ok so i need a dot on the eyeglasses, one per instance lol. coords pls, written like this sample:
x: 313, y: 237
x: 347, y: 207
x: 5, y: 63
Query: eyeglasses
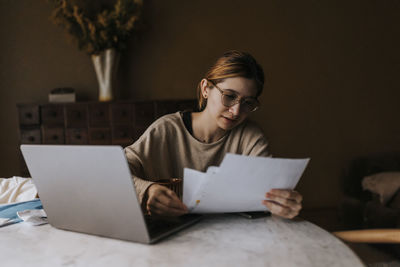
x: 229, y: 99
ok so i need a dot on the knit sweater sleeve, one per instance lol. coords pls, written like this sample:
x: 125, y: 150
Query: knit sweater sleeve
x: 136, y: 166
x: 141, y: 154
x: 254, y: 142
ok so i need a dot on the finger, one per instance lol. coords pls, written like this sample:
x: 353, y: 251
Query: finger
x: 287, y: 193
x: 275, y: 208
x: 279, y: 210
x: 284, y: 202
x: 168, y: 197
x: 171, y: 202
x: 177, y: 202
x: 165, y: 211
x: 156, y: 207
x: 164, y: 201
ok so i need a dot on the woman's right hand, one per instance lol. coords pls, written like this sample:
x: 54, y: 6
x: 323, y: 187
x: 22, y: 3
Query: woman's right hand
x: 164, y: 202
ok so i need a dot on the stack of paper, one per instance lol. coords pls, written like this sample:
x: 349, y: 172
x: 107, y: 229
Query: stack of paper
x: 239, y: 184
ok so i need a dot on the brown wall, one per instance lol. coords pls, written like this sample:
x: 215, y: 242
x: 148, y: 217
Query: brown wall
x: 333, y: 89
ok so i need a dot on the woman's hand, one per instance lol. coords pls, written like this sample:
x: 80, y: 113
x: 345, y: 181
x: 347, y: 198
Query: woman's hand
x: 283, y: 202
x: 164, y: 202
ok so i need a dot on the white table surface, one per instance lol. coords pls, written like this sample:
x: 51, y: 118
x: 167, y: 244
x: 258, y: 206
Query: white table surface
x: 217, y: 240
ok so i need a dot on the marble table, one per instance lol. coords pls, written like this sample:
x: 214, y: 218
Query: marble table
x: 217, y: 240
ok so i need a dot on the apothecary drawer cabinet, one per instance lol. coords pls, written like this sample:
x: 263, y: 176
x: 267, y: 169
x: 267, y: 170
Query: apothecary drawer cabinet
x: 91, y: 123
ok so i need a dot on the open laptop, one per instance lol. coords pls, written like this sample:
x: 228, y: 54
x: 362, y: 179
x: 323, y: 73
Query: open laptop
x: 89, y: 189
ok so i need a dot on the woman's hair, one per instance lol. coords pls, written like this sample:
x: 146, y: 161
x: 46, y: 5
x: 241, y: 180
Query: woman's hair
x: 232, y: 64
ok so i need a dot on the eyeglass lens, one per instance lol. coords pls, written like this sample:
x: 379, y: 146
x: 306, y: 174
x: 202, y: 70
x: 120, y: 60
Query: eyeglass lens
x: 231, y: 99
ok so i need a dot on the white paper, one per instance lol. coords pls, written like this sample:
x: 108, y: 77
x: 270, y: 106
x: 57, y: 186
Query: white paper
x: 240, y: 183
x: 191, y: 184
x: 33, y: 217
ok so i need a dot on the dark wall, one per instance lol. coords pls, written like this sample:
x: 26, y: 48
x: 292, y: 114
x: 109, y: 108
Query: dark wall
x: 332, y: 67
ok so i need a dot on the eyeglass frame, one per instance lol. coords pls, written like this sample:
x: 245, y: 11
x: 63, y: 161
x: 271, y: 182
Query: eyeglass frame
x: 237, y: 100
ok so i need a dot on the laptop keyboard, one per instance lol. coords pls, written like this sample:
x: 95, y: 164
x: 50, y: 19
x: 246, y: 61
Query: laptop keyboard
x: 157, y: 226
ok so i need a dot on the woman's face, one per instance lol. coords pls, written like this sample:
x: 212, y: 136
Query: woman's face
x: 227, y: 118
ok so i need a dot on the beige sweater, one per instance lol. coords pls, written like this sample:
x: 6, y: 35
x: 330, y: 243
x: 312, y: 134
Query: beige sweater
x: 167, y: 147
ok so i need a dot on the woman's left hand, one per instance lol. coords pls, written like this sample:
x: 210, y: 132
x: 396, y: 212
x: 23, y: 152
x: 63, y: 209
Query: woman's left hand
x: 283, y: 202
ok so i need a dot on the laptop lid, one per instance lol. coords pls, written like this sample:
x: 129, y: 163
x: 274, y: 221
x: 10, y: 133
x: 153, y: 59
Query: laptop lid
x: 87, y: 189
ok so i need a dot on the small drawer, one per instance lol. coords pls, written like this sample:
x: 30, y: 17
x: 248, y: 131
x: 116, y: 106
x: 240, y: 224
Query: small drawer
x: 52, y: 114
x: 76, y: 136
x: 30, y: 136
x: 121, y: 135
x: 53, y: 135
x: 76, y: 116
x: 121, y: 114
x: 166, y: 107
x: 99, y: 115
x: 99, y: 136
x: 28, y: 114
x: 143, y: 114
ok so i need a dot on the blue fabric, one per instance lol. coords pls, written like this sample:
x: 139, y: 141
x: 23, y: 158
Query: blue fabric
x: 10, y: 211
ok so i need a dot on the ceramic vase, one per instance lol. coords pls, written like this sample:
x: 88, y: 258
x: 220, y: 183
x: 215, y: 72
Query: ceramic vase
x: 105, y: 65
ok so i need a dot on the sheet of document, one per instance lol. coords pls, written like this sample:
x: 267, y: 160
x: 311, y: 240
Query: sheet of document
x: 239, y: 184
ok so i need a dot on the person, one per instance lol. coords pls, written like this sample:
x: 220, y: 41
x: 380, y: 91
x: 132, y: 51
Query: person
x: 227, y: 95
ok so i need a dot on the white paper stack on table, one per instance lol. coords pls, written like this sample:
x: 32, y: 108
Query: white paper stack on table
x: 240, y: 183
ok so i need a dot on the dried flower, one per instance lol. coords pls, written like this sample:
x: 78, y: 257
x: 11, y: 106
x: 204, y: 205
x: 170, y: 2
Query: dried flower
x: 110, y: 27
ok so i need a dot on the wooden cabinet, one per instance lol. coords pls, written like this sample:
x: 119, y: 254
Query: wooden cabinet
x: 91, y: 123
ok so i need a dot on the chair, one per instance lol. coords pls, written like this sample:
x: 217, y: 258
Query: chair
x: 362, y: 209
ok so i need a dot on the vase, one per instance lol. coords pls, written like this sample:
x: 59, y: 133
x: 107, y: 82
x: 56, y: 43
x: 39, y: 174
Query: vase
x: 105, y: 65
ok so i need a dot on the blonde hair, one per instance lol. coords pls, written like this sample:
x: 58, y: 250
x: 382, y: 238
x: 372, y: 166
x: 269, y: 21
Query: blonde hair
x: 232, y: 64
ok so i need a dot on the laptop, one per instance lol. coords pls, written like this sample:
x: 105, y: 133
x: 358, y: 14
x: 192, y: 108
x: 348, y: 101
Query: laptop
x: 89, y: 189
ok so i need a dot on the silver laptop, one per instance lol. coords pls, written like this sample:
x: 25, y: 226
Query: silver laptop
x: 89, y: 189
